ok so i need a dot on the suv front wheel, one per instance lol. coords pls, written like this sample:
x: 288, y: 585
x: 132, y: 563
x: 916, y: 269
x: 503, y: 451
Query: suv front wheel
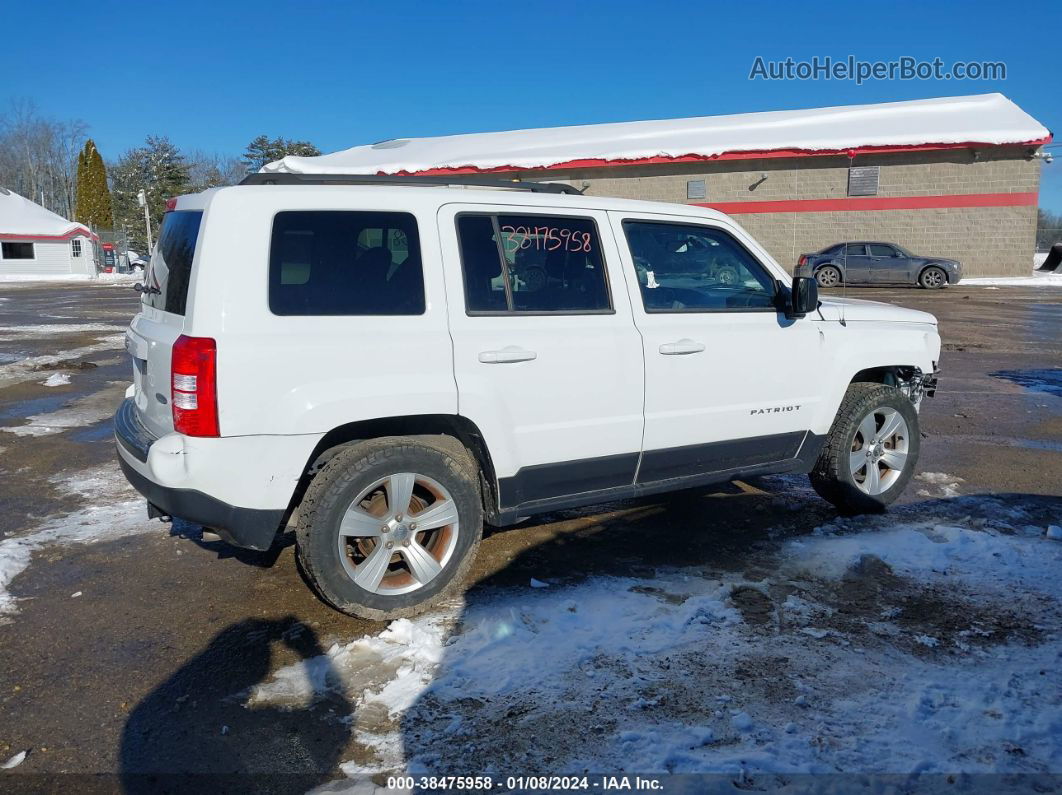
x: 871, y: 450
x: 390, y: 527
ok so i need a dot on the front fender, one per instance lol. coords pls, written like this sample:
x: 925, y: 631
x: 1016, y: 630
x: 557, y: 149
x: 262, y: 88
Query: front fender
x: 868, y: 345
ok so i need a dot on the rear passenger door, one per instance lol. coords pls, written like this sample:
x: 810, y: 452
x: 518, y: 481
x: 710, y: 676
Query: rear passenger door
x: 855, y: 263
x: 547, y: 360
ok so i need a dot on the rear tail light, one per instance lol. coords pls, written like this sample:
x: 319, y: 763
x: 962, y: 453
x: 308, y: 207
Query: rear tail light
x: 194, y: 386
x: 802, y: 261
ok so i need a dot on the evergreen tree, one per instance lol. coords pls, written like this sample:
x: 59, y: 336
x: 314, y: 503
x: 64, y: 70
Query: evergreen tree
x: 264, y: 150
x: 158, y: 169
x: 93, y: 197
x: 80, y: 191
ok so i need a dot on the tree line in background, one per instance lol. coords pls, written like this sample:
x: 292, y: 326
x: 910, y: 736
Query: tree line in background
x: 1048, y: 229
x: 57, y: 165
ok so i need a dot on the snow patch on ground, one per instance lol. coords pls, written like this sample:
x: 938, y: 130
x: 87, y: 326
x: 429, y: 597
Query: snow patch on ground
x: 52, y: 329
x: 1035, y: 280
x: 56, y: 379
x: 113, y: 510
x: 78, y: 413
x: 14, y: 278
x: 28, y: 368
x: 944, y: 485
x: 897, y: 644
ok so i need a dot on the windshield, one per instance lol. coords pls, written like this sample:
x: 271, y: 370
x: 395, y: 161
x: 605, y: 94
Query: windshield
x: 170, y: 270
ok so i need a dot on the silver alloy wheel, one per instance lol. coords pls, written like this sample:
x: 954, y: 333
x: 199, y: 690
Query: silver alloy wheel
x: 933, y: 277
x: 879, y: 450
x: 829, y: 277
x: 398, y: 534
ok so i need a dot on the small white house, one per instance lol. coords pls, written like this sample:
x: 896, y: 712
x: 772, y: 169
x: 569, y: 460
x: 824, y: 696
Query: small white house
x: 37, y: 242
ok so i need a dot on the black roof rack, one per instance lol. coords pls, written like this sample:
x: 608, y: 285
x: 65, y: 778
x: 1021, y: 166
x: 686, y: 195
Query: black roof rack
x: 387, y: 179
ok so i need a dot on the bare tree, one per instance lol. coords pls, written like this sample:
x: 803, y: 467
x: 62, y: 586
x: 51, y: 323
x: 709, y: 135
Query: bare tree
x: 211, y: 170
x: 38, y: 156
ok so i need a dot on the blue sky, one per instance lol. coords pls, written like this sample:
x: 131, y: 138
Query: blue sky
x: 213, y: 75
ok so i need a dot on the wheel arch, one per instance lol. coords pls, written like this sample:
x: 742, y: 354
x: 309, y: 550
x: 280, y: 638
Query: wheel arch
x: 890, y: 375
x: 926, y: 266
x: 455, y: 426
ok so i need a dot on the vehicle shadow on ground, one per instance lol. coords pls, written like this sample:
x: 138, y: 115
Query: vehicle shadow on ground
x: 194, y: 732
x: 706, y: 534
x: 263, y: 559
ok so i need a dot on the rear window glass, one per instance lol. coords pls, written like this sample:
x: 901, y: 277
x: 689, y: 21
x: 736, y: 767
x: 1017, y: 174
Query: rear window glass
x: 171, y: 262
x: 325, y: 262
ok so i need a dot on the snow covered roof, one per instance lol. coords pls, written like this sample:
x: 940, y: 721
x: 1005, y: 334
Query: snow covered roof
x: 19, y: 217
x: 948, y: 121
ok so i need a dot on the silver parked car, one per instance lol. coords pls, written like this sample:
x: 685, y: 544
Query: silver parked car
x: 871, y: 263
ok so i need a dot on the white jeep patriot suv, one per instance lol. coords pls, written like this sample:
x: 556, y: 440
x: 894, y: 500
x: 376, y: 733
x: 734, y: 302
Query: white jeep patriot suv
x: 384, y: 364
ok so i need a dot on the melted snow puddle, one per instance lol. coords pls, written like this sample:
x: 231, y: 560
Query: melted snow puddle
x: 114, y: 510
x: 664, y: 675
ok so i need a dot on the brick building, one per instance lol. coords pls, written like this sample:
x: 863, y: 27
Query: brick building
x: 956, y: 177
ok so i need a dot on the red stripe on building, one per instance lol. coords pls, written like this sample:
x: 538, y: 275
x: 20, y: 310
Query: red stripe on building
x: 79, y: 232
x: 749, y: 155
x: 860, y: 204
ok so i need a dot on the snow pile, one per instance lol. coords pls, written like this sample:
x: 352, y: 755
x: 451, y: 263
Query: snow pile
x: 56, y: 379
x: 898, y: 644
x: 984, y: 118
x: 113, y: 510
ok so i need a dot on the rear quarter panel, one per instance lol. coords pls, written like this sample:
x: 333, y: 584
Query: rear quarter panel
x: 310, y: 374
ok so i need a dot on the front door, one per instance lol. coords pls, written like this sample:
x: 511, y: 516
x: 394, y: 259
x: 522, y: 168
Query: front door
x: 730, y: 383
x: 887, y: 266
x: 547, y: 359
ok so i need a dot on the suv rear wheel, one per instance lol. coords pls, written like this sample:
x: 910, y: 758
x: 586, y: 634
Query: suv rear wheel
x: 871, y: 450
x: 390, y: 527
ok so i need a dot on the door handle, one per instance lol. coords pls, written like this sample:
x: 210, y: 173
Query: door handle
x: 507, y: 356
x: 681, y: 348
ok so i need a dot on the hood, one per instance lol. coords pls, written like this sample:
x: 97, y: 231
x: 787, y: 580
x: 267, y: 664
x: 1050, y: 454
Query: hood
x: 854, y: 309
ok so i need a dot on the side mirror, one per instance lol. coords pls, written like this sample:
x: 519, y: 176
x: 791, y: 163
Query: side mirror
x: 804, y: 297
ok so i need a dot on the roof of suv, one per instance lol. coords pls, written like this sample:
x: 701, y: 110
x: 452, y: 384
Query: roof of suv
x: 455, y: 193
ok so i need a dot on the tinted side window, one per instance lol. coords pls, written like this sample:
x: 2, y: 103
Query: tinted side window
x: 532, y: 263
x: 171, y: 263
x: 324, y: 262
x: 687, y: 268
x: 878, y: 250
x: 855, y: 250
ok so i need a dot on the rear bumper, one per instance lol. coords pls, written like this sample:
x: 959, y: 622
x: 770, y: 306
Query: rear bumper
x: 242, y: 527
x: 239, y: 486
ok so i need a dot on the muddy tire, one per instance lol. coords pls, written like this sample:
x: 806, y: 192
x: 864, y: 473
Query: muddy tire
x: 933, y: 278
x: 870, y: 452
x: 828, y: 276
x: 390, y: 527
